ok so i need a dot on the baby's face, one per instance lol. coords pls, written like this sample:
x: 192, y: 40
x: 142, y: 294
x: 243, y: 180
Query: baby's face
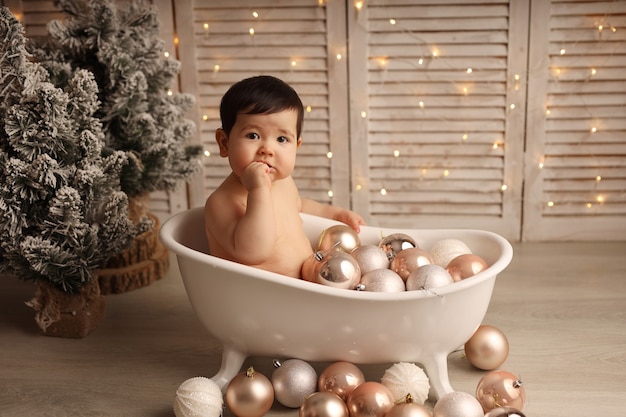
x: 268, y: 138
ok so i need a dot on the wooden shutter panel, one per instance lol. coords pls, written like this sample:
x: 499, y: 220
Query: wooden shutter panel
x: 576, y: 155
x: 302, y: 43
x: 437, y: 91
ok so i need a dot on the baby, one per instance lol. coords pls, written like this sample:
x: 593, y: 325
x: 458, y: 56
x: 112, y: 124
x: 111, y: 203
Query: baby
x: 253, y: 217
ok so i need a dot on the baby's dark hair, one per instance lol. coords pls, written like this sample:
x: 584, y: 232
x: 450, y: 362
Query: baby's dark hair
x: 262, y: 94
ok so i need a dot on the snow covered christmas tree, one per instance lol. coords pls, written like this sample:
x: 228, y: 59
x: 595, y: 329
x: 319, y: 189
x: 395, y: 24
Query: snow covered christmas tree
x: 139, y: 112
x: 62, y: 211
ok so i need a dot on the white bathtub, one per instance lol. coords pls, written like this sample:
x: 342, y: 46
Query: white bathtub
x: 255, y: 312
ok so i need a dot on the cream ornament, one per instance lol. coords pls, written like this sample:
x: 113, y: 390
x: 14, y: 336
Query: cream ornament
x: 404, y: 379
x: 427, y: 277
x: 445, y: 250
x: 488, y: 348
x: 198, y: 397
x: 458, y: 404
x: 381, y: 280
x: 370, y: 257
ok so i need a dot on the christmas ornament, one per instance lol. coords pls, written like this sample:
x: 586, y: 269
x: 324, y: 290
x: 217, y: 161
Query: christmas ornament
x: 370, y: 257
x: 488, y: 348
x: 395, y: 243
x: 505, y: 412
x: 340, y: 378
x: 249, y: 394
x: 293, y: 380
x: 443, y: 251
x: 404, y: 379
x: 198, y: 396
x: 323, y: 404
x: 408, y: 408
x: 458, y: 404
x: 370, y: 399
x: 408, y: 260
x: 500, y: 389
x: 381, y: 280
x: 465, y: 266
x: 428, y: 276
x: 338, y: 237
x: 333, y: 268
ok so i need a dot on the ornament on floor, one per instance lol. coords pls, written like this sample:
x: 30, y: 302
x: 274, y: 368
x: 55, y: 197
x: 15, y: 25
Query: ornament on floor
x: 500, y: 389
x: 505, y: 412
x: 408, y: 408
x: 332, y: 268
x: 370, y: 399
x: 408, y: 260
x: 323, y: 404
x: 404, y: 379
x: 198, y: 396
x: 340, y: 378
x: 458, y: 404
x: 488, y: 348
x: 370, y: 257
x: 338, y: 237
x: 445, y: 250
x: 427, y: 277
x: 249, y: 394
x: 395, y: 243
x: 465, y: 266
x: 293, y: 380
x: 381, y: 280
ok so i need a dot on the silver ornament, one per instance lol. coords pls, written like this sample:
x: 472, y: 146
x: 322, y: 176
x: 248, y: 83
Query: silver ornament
x: 458, y: 404
x: 395, y: 243
x: 293, y: 380
x: 428, y: 276
x: 382, y: 280
x: 370, y: 257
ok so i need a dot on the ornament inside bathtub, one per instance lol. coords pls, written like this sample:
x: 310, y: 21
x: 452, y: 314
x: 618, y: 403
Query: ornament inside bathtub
x: 253, y: 312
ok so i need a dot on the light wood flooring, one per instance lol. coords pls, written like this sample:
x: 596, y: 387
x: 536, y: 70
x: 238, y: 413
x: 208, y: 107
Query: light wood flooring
x: 561, y: 305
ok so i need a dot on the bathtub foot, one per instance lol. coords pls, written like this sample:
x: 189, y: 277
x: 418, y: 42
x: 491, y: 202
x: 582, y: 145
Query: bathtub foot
x: 437, y: 370
x: 232, y: 360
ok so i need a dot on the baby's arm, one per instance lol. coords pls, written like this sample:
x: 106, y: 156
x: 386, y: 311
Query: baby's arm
x: 349, y: 217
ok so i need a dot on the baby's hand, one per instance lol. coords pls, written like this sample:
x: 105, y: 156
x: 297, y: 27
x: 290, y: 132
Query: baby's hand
x: 256, y: 175
x: 351, y: 218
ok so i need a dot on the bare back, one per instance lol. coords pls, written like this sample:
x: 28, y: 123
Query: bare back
x: 226, y: 207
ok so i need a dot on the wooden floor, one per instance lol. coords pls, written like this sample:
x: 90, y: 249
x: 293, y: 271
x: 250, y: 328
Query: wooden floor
x: 561, y: 305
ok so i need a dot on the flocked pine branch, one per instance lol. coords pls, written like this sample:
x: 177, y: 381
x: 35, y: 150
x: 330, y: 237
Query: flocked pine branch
x: 140, y: 114
x: 62, y: 211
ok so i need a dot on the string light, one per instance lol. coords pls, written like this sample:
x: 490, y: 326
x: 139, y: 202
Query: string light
x: 396, y: 153
x: 207, y: 153
x: 363, y: 114
x: 464, y: 137
x: 166, y: 54
x: 562, y: 51
x: 329, y: 155
x: 469, y: 70
x: 383, y: 191
x: 358, y: 5
x: 598, y: 178
x: 330, y: 193
x: 504, y: 187
x: 255, y: 15
x: 170, y: 92
x: 594, y: 129
x: 550, y: 203
x: 206, y: 27
x: 205, y: 117
x: 251, y: 31
x: 308, y: 109
x: 339, y: 57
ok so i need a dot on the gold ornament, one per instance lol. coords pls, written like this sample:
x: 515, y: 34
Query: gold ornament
x: 338, y: 237
x: 340, y: 378
x: 500, y: 389
x: 323, y: 404
x: 465, y: 266
x: 488, y: 348
x: 249, y: 394
x: 408, y: 260
x: 408, y: 408
x: 370, y: 399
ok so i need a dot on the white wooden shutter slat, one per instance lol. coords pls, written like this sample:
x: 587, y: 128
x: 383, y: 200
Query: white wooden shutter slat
x: 579, y: 190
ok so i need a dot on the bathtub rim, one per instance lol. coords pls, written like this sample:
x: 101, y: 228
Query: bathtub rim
x: 171, y: 240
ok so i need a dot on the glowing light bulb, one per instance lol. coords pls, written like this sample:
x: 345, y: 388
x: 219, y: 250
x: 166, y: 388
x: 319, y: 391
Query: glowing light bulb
x: 169, y: 92
x: 294, y: 63
x: 420, y: 61
x: 330, y: 193
x: 562, y: 51
x: 358, y: 5
x: 251, y: 31
x: 206, y: 26
x: 446, y: 173
x: 358, y: 187
x: 512, y: 106
x: 205, y: 117
x: 598, y: 178
x: 166, y: 54
x: 339, y: 57
x: 329, y: 155
x: 308, y: 109
x: 600, y: 28
x: 600, y: 199
x: 516, y: 76
x: 255, y: 15
x: 435, y: 53
x: 383, y: 191
x: 216, y: 68
x: 540, y: 165
x: 548, y: 112
x: 589, y: 205
x: 593, y: 71
x: 207, y: 153
x: 392, y: 21
x: 594, y: 129
x: 464, y: 137
x: 469, y: 70
x: 550, y: 203
x: 504, y: 187
x: 421, y: 104
x: 396, y: 153
x: 363, y: 114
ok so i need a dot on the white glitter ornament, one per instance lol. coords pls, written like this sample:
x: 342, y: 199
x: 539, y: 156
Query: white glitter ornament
x: 406, y: 378
x: 427, y: 277
x: 198, y: 396
x: 458, y: 404
x: 443, y: 251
